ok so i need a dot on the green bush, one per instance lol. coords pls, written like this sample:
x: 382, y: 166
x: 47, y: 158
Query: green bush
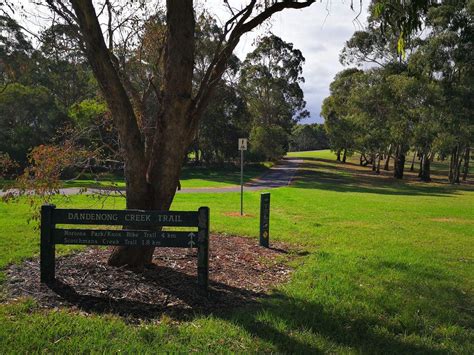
x: 268, y: 143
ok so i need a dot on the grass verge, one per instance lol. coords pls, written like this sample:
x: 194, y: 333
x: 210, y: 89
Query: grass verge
x: 389, y: 270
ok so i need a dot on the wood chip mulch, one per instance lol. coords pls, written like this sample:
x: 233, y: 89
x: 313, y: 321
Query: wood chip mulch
x: 240, y: 273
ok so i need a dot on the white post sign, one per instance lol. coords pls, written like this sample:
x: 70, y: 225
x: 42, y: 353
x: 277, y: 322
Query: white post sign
x: 242, y: 147
x: 242, y: 143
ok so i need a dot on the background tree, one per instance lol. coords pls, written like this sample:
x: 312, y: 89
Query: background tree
x: 368, y: 112
x: 29, y: 116
x: 308, y: 137
x: 418, y: 99
x: 270, y: 82
x: 335, y: 111
x: 445, y: 57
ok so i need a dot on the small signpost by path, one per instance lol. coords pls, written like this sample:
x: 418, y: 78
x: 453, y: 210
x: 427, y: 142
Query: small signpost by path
x: 146, y: 235
x: 265, y: 220
x: 242, y: 147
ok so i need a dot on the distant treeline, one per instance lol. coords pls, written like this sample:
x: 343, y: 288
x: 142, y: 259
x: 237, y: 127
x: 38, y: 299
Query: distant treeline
x: 309, y: 137
x: 49, y: 97
x: 419, y: 99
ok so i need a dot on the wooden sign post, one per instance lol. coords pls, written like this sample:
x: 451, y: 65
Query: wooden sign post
x: 147, y: 235
x: 265, y: 220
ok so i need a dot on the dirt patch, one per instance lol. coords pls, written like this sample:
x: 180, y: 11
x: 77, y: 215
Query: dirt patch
x: 452, y: 220
x: 237, y: 214
x: 240, y: 272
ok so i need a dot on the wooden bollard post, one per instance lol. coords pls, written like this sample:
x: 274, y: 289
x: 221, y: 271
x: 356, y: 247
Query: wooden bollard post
x: 265, y: 220
x: 47, y: 247
x: 203, y: 249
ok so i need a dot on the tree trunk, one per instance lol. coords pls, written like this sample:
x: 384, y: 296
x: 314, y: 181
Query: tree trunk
x: 399, y: 162
x: 457, y: 177
x: 450, y: 174
x: 338, y: 155
x: 412, y: 167
x: 387, y: 162
x: 363, y: 160
x: 453, y: 164
x: 138, y: 190
x: 378, y: 163
x: 172, y: 133
x: 374, y: 162
x: 344, y: 155
x: 466, y: 163
x: 425, y: 167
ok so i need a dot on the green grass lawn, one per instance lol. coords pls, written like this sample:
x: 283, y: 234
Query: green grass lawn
x: 191, y: 177
x: 389, y: 269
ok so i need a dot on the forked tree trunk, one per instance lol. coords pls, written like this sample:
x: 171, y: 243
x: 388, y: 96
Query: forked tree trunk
x: 344, y: 155
x: 172, y: 134
x: 154, y: 154
x: 152, y: 169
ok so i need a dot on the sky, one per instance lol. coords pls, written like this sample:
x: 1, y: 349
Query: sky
x: 319, y: 31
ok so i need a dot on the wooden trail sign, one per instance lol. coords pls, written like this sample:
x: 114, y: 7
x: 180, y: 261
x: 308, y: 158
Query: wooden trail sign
x: 265, y: 220
x: 144, y: 233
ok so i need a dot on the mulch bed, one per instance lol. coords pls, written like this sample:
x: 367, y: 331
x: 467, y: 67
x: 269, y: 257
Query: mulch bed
x: 240, y: 272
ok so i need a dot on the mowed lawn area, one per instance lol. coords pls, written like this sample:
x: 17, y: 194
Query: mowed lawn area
x: 225, y: 175
x: 388, y: 268
x: 191, y: 177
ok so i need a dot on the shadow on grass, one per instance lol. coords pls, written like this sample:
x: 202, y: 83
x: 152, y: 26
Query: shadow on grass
x: 373, y: 330
x: 372, y: 324
x: 340, y: 179
x: 227, y: 174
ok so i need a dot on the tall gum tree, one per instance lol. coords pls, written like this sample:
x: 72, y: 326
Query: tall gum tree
x: 154, y: 154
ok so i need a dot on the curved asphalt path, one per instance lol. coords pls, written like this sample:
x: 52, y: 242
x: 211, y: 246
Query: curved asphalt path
x: 279, y: 175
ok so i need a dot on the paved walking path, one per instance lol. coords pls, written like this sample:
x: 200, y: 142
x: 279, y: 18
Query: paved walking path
x: 279, y: 175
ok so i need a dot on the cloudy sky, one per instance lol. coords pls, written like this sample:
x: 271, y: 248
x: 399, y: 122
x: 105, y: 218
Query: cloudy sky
x: 319, y: 31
